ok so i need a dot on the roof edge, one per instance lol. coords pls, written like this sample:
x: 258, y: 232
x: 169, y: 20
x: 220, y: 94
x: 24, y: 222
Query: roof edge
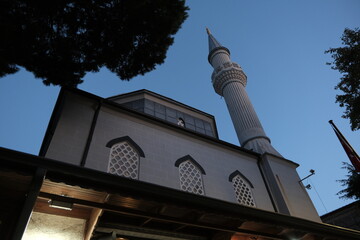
x: 146, y: 91
x: 89, y: 176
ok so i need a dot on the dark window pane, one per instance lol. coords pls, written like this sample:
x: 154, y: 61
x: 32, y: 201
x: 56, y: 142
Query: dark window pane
x: 170, y: 112
x: 179, y: 115
x: 159, y: 108
x: 149, y: 104
x: 171, y: 119
x: 138, y: 104
x: 190, y: 126
x: 199, y: 123
x: 209, y: 133
x: 200, y: 130
x: 207, y: 126
x: 189, y: 119
x: 159, y: 115
x: 149, y: 111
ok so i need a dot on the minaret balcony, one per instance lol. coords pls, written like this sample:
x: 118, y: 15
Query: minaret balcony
x: 226, y: 73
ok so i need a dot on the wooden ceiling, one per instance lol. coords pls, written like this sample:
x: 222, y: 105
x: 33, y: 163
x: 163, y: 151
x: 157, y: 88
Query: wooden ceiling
x: 137, y: 217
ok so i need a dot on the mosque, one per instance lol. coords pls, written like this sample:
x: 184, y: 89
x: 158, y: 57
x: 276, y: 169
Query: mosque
x: 144, y: 166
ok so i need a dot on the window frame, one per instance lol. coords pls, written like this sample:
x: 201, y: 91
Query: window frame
x: 135, y: 148
x: 198, y: 167
x: 247, y: 183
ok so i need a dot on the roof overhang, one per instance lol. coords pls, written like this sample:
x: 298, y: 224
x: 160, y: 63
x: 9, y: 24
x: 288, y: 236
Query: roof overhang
x: 132, y: 205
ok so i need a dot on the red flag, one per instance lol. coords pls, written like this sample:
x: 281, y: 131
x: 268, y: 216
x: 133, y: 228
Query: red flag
x: 354, y: 158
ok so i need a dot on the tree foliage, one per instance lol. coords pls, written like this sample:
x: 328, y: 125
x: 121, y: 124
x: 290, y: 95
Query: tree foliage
x: 352, y: 183
x: 60, y: 40
x: 347, y: 62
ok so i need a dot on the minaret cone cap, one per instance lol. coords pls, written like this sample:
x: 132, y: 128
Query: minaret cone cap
x: 214, y: 45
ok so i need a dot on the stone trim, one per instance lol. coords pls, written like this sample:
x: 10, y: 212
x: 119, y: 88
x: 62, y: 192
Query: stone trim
x: 237, y: 172
x: 256, y: 137
x: 129, y: 140
x: 213, y: 52
x: 188, y: 157
x: 222, y: 79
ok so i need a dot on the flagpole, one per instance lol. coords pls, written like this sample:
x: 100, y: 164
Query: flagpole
x: 343, y: 138
x: 352, y: 155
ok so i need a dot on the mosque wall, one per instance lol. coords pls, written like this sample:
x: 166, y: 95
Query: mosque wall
x: 165, y: 154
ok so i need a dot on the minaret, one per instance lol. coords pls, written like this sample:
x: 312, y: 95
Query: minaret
x: 229, y: 81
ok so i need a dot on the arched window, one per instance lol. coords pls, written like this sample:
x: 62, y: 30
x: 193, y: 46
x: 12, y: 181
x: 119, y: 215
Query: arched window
x: 242, y: 187
x: 190, y: 174
x: 124, y: 157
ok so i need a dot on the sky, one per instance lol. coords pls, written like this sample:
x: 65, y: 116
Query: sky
x: 280, y: 45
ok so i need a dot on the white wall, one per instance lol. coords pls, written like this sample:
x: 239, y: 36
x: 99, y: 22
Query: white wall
x: 72, y: 131
x: 163, y: 146
x: 294, y: 192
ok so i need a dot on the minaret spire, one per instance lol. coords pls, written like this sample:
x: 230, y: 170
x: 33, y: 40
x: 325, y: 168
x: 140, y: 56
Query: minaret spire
x: 208, y: 31
x: 214, y: 44
x: 229, y: 81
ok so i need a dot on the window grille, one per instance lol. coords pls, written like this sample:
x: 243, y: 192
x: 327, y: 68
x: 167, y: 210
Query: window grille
x: 190, y: 178
x: 124, y: 160
x: 243, y: 191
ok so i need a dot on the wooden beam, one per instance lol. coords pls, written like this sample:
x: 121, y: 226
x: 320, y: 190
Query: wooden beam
x: 94, y: 217
x: 42, y: 206
x: 29, y: 204
x: 145, y: 222
x: 92, y: 221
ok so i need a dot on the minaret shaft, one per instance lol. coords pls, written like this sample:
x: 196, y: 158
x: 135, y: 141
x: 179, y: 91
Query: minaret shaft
x: 229, y: 81
x: 245, y: 120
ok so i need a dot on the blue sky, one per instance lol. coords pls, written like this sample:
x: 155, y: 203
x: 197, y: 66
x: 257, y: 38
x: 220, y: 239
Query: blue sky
x: 280, y: 45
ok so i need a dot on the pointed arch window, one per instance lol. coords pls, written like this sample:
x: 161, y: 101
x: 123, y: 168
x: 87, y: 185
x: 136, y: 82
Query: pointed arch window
x: 190, y: 174
x: 124, y: 157
x: 242, y: 187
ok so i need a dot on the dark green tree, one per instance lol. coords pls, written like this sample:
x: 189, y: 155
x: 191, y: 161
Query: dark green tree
x: 347, y: 62
x: 61, y: 40
x: 352, y: 183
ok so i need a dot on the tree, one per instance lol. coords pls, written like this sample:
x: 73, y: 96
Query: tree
x: 347, y: 62
x: 61, y: 40
x: 352, y: 183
